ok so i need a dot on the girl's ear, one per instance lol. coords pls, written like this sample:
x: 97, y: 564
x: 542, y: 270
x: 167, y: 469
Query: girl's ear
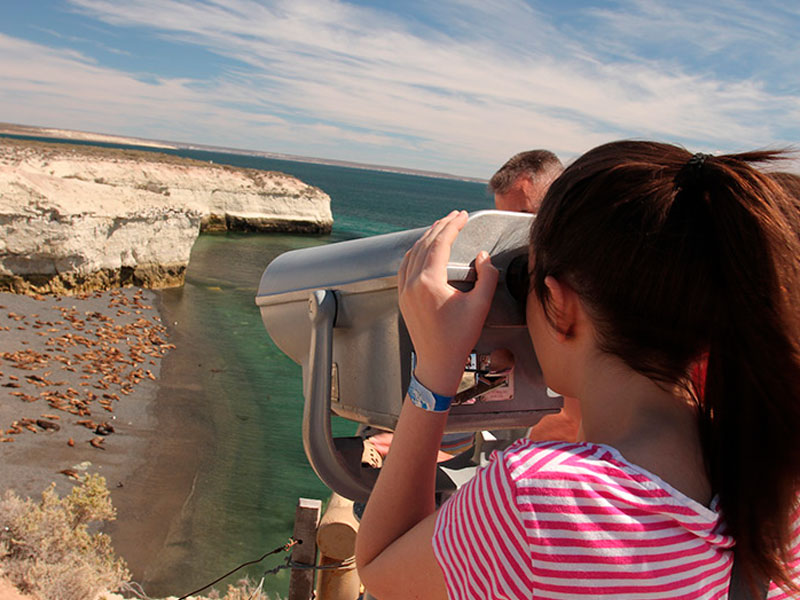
x: 566, y: 310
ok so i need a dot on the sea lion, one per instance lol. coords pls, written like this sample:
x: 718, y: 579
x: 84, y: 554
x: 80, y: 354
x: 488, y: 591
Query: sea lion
x: 104, y: 428
x: 70, y: 473
x: 48, y: 425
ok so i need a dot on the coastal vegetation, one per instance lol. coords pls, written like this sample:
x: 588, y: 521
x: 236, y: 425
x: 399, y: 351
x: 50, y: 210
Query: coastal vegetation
x: 53, y: 549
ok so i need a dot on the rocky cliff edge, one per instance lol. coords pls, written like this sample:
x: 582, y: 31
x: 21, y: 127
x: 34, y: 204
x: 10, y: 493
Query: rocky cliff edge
x: 80, y: 218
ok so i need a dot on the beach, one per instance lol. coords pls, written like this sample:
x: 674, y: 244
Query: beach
x: 77, y: 380
x: 78, y: 393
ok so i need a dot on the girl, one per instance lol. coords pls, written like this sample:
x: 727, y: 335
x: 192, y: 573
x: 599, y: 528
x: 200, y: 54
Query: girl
x: 644, y: 261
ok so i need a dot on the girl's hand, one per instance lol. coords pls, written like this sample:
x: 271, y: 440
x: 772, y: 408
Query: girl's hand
x: 443, y: 322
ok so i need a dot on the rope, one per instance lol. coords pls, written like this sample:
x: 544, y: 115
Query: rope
x: 348, y: 562
x: 285, y: 548
x: 288, y: 563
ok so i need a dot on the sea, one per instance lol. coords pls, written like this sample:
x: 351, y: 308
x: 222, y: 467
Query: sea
x: 242, y: 395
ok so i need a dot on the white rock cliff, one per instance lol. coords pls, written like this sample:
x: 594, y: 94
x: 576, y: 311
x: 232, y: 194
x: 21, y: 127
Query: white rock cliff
x: 78, y: 218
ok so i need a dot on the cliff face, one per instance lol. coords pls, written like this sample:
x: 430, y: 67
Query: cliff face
x: 76, y: 218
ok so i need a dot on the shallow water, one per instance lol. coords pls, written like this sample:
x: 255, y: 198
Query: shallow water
x: 240, y: 398
x: 247, y: 404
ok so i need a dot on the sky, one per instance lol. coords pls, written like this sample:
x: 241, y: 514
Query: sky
x: 448, y: 85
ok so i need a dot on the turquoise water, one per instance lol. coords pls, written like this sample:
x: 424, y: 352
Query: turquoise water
x: 249, y: 393
x: 371, y: 202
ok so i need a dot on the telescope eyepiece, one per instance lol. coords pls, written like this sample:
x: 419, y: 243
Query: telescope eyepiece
x: 518, y: 279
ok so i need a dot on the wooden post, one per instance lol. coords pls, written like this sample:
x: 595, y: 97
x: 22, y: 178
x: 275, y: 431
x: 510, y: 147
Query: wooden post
x: 306, y: 519
x: 336, y: 539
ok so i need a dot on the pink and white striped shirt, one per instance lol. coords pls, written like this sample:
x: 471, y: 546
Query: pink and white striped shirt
x: 556, y: 520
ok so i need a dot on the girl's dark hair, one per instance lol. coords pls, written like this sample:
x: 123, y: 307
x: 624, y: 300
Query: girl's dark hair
x: 678, y: 258
x: 790, y: 182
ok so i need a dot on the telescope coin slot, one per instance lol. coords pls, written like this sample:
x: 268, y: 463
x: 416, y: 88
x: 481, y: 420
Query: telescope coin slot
x: 335, y: 382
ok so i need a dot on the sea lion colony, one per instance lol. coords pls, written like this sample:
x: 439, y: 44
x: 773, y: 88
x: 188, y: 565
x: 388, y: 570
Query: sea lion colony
x: 107, y: 357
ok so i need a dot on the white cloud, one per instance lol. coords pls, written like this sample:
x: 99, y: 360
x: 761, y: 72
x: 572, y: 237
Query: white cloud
x: 460, y: 90
x: 710, y: 28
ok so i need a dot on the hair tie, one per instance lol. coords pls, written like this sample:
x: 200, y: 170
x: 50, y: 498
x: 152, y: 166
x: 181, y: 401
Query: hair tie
x: 691, y: 173
x: 697, y: 160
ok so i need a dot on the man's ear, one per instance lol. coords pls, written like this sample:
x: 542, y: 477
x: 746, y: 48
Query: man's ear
x: 566, y: 310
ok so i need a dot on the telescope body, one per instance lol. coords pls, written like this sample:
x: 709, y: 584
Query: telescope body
x: 333, y: 309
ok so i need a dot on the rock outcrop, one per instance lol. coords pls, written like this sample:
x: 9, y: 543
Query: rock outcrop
x: 79, y: 218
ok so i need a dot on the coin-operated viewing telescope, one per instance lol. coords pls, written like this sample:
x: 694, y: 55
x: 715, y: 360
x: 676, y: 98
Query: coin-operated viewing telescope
x: 333, y: 310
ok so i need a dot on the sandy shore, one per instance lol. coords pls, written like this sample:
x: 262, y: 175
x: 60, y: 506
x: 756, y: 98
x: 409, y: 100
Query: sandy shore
x: 78, y: 385
x: 71, y: 134
x: 71, y: 365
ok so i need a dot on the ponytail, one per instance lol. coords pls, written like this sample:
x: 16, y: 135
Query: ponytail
x: 750, y: 411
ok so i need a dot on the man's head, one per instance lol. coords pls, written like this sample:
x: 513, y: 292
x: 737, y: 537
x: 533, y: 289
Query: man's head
x: 522, y: 182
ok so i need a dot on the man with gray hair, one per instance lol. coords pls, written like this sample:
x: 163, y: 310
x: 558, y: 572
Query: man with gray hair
x: 521, y: 183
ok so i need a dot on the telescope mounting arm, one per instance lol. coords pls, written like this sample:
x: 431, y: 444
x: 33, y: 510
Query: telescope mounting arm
x: 318, y: 441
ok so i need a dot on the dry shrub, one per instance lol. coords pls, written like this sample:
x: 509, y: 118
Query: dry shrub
x: 48, y: 550
x: 244, y: 590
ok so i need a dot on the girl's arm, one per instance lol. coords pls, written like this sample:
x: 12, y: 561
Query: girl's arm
x: 393, y: 550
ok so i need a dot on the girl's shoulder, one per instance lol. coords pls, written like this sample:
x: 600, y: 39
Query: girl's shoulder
x: 597, y: 474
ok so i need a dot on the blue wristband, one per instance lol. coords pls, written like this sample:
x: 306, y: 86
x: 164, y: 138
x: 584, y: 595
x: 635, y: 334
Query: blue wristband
x: 425, y: 399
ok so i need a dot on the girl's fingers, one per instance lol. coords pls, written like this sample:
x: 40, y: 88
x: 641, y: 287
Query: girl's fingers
x: 486, y: 283
x: 437, y: 227
x: 410, y: 258
x: 401, y: 272
x: 439, y: 247
x: 431, y: 232
x: 417, y: 257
